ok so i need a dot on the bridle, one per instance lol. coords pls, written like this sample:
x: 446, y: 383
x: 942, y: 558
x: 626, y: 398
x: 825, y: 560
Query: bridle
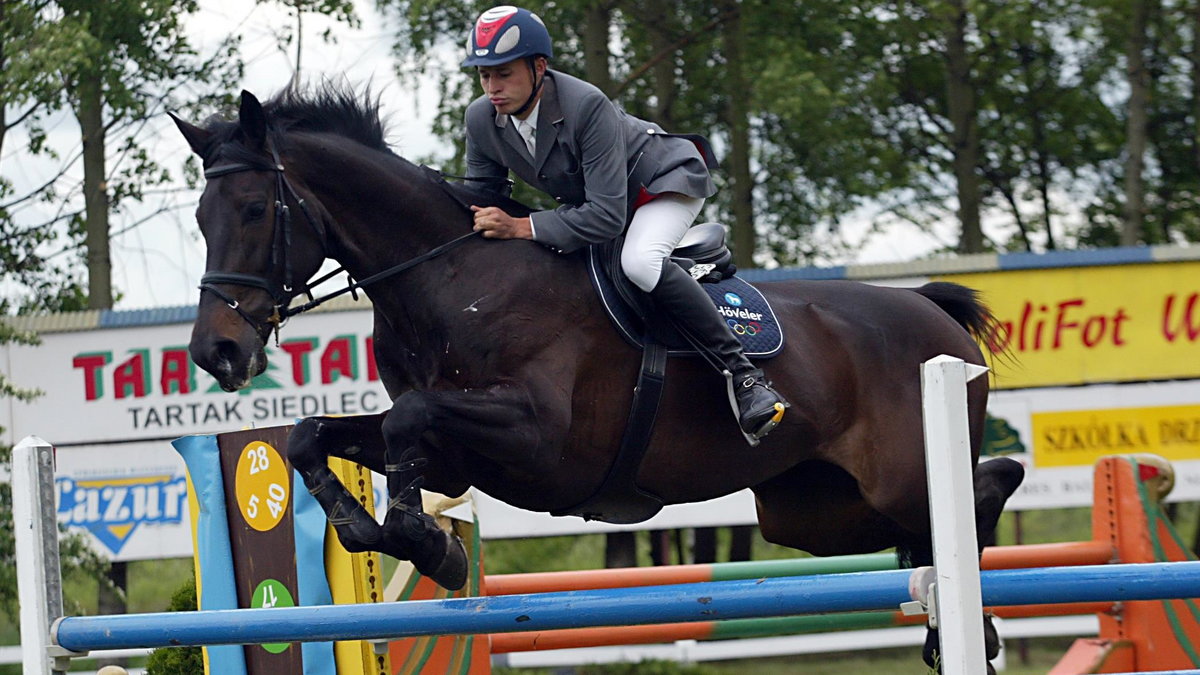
x: 282, y: 292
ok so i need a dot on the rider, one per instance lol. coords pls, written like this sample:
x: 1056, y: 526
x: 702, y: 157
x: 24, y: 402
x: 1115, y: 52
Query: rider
x: 606, y: 168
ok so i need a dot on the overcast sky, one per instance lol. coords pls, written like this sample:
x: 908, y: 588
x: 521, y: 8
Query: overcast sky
x: 158, y: 263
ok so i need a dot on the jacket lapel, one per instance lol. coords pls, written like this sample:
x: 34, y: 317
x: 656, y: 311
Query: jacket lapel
x: 550, y: 120
x: 506, y: 127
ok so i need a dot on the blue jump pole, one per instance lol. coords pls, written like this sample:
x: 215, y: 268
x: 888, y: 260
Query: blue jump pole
x: 717, y: 600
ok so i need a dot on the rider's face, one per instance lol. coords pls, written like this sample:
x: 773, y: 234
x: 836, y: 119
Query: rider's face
x: 508, y: 85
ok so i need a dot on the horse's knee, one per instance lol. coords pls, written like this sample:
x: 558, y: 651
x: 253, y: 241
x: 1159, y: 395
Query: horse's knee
x: 304, y: 445
x: 407, y: 419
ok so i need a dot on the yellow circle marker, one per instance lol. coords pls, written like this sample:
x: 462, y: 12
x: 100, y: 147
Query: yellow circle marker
x: 261, y: 486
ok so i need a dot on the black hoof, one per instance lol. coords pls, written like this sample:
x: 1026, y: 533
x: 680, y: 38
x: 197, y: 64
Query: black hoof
x: 449, y: 569
x: 991, y: 639
x: 411, y: 535
x: 929, y: 653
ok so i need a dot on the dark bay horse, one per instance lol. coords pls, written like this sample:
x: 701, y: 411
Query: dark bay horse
x: 506, y: 374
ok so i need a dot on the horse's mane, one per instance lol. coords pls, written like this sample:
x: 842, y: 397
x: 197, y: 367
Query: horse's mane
x: 328, y: 108
x: 336, y: 109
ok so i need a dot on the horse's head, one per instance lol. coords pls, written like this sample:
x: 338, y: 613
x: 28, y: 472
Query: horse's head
x: 265, y: 237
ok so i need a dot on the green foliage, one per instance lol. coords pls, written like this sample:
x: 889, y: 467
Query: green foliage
x: 178, y: 660
x: 848, y: 107
x: 115, y: 66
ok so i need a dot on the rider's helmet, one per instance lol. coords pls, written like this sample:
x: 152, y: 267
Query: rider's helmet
x: 504, y: 33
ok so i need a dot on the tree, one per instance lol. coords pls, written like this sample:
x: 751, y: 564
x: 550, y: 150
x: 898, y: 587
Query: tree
x: 29, y: 91
x: 132, y: 62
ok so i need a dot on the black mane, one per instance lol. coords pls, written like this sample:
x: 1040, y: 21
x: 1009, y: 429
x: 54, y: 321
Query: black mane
x: 327, y: 109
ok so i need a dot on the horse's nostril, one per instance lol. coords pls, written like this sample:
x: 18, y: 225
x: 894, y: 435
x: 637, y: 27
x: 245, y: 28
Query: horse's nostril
x: 225, y: 353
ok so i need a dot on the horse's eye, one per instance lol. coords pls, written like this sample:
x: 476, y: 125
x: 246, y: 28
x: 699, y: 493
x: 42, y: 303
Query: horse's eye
x: 254, y: 211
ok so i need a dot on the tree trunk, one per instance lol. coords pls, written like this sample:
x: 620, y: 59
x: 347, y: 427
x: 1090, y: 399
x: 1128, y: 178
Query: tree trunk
x: 620, y: 549
x: 1195, y: 58
x: 964, y: 132
x: 95, y: 194
x: 1133, y: 228
x: 741, y: 542
x: 3, y: 65
x: 741, y: 182
x: 597, y: 18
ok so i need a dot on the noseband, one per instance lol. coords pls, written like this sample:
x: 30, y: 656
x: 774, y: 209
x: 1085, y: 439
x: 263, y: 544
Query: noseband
x: 283, y: 292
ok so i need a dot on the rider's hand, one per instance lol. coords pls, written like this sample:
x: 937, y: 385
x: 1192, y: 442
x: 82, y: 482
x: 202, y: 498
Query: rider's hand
x: 496, y: 224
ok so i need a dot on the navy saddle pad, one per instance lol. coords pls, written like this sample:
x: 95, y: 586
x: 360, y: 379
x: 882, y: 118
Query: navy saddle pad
x: 747, y: 312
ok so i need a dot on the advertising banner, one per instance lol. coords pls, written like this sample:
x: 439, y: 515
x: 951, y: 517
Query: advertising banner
x: 138, y: 383
x: 1064, y: 430
x: 1077, y: 325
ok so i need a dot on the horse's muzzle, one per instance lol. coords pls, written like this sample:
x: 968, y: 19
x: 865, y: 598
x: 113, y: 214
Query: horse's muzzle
x: 232, y: 364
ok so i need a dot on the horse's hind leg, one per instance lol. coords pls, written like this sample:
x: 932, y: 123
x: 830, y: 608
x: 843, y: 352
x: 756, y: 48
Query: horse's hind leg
x: 358, y: 439
x: 994, y: 482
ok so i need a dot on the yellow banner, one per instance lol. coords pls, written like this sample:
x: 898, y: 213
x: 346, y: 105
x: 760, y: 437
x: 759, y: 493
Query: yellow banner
x: 1079, y: 438
x: 1094, y: 324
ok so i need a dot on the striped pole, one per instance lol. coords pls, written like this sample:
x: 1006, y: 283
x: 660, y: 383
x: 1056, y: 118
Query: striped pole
x: 994, y: 558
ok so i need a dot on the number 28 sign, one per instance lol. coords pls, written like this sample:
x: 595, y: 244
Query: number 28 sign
x: 261, y: 486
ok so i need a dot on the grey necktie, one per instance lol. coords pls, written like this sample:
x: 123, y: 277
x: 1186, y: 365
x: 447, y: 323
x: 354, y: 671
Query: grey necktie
x: 527, y: 134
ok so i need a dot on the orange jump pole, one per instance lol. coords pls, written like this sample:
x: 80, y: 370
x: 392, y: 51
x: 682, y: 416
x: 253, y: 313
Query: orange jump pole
x: 994, y: 558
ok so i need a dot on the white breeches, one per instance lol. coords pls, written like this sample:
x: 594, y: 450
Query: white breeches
x: 656, y: 228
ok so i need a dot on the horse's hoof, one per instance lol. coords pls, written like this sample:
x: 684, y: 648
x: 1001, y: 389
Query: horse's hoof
x: 450, y: 570
x: 991, y: 638
x: 409, y: 534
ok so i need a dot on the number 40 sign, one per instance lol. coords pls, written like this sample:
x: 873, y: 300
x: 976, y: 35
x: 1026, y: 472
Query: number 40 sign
x: 261, y: 486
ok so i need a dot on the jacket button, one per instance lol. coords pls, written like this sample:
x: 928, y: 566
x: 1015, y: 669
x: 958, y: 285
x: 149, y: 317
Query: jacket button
x: 651, y: 132
x: 541, y: 176
x: 558, y: 199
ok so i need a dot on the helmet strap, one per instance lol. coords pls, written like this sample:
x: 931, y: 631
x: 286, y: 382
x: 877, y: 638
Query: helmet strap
x: 537, y: 86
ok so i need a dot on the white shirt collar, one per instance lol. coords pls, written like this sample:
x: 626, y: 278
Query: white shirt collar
x: 533, y: 116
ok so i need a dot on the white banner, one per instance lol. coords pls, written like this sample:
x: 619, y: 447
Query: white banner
x: 139, y: 383
x: 128, y: 500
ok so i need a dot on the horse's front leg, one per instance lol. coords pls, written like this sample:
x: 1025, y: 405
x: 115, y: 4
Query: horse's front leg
x: 503, y: 419
x: 358, y: 439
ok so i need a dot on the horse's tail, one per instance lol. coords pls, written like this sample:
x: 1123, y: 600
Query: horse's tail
x: 965, y: 307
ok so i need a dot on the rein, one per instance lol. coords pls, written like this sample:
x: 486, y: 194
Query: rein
x: 282, y: 293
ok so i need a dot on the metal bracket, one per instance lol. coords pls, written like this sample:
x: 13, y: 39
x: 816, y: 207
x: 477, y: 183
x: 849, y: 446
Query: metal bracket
x: 60, y: 657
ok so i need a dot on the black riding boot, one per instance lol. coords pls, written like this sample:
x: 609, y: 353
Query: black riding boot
x: 680, y: 296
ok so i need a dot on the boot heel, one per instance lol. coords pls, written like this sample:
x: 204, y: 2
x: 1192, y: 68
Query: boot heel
x: 770, y: 424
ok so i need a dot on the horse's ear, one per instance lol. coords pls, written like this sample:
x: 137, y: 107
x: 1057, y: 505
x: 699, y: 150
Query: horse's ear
x: 197, y: 137
x: 253, y: 121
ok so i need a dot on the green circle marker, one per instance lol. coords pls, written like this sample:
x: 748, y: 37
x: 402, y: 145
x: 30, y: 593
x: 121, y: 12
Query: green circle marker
x: 271, y: 593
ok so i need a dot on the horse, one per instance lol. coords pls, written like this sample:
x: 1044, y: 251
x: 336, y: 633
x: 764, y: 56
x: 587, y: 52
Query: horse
x: 505, y: 373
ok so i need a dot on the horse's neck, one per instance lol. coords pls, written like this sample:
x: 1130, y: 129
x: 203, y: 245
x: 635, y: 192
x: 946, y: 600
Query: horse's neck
x: 384, y: 211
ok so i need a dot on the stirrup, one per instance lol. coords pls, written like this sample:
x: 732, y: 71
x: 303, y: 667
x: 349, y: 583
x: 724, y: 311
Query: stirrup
x: 766, y: 428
